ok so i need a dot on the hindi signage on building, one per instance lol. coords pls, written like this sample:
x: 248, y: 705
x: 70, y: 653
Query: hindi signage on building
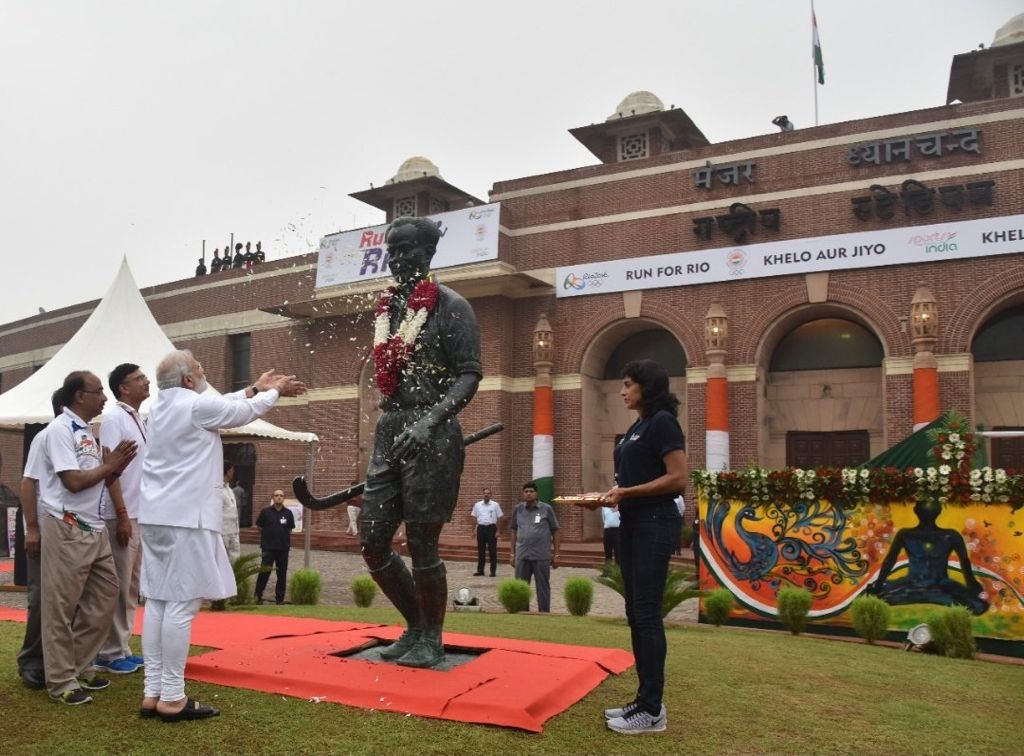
x: 870, y: 249
x: 467, y: 236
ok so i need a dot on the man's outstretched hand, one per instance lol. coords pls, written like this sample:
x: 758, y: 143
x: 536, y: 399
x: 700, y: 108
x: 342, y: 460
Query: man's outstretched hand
x: 286, y: 385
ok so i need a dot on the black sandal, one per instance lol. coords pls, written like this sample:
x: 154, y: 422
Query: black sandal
x: 147, y: 713
x: 192, y: 710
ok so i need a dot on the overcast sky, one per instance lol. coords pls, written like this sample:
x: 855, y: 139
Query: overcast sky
x: 142, y: 127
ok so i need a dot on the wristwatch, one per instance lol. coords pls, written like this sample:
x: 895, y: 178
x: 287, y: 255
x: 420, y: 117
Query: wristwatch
x: 255, y: 389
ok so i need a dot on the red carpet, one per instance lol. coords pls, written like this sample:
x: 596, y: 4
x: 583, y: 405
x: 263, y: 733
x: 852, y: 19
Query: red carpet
x: 512, y: 683
x: 7, y: 565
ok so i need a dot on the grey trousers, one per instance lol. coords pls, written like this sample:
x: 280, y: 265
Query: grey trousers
x: 30, y: 658
x: 540, y: 570
x: 79, y: 588
x: 127, y: 562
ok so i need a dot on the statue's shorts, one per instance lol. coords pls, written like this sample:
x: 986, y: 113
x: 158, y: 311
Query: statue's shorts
x: 422, y: 489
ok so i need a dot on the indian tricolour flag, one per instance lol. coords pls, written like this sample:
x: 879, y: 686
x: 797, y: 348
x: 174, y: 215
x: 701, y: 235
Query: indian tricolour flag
x: 544, y: 442
x: 819, y: 62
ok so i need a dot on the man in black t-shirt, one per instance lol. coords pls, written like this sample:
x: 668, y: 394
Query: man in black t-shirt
x: 276, y: 524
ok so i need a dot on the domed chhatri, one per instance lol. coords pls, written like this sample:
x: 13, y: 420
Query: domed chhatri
x: 1011, y: 32
x: 637, y: 103
x: 414, y: 168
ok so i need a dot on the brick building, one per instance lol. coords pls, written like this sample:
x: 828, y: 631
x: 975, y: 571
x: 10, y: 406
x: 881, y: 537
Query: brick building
x: 814, y: 292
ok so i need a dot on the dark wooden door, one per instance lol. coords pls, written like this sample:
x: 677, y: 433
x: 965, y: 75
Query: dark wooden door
x: 836, y: 449
x: 1008, y: 453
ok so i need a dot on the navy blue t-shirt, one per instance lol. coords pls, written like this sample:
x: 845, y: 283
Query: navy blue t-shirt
x: 639, y: 455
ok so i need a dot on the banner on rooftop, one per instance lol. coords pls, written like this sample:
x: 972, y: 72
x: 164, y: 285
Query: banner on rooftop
x: 467, y: 236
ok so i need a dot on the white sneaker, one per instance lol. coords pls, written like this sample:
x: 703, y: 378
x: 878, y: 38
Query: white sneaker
x: 638, y: 721
x: 621, y: 712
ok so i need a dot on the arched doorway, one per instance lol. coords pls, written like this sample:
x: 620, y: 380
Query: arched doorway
x: 603, y: 415
x: 998, y: 351
x: 823, y: 393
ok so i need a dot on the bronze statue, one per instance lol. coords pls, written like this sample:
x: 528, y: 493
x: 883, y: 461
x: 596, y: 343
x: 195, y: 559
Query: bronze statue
x: 427, y: 365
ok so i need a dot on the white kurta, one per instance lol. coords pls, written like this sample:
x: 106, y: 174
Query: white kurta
x: 183, y: 555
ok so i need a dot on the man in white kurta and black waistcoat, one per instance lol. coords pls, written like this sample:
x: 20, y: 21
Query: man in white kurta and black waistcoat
x: 183, y: 556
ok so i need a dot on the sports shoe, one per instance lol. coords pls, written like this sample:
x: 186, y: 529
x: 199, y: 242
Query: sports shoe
x: 637, y: 722
x: 75, y: 697
x: 138, y: 661
x: 619, y: 712
x: 94, y: 683
x: 122, y: 666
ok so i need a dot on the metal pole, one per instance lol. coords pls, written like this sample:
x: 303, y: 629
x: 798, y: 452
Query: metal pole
x: 307, y: 513
x: 814, y: 66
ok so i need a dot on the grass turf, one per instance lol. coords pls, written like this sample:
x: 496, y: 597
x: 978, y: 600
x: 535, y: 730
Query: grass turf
x: 728, y: 691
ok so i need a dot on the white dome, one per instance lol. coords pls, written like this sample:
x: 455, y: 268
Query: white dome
x: 1011, y: 32
x: 414, y: 168
x: 637, y: 103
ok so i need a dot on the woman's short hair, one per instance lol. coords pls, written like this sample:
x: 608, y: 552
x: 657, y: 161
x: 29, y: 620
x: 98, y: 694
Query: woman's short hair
x: 653, y: 380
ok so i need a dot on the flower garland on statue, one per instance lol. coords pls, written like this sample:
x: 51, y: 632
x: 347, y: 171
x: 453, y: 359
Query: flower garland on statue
x: 391, y: 352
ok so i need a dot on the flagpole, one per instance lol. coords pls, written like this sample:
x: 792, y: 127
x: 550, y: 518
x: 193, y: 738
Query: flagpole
x: 814, y: 68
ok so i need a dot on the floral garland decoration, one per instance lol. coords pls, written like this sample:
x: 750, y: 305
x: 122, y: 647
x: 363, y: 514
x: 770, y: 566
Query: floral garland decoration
x: 391, y: 352
x: 951, y: 480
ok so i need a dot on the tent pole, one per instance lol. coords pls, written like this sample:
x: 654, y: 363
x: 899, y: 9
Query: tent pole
x: 307, y: 515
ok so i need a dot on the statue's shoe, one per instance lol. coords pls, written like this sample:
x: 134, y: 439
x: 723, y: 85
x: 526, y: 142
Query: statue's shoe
x: 402, y: 646
x: 424, y: 654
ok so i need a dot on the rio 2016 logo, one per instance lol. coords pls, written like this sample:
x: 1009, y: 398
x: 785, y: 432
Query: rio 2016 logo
x: 572, y: 281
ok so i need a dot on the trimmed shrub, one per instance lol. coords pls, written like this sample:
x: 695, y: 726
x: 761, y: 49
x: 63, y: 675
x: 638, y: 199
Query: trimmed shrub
x: 952, y: 633
x: 793, y: 604
x: 515, y: 595
x: 304, y: 586
x: 718, y: 606
x: 245, y: 568
x: 579, y: 596
x: 363, y: 590
x: 870, y: 617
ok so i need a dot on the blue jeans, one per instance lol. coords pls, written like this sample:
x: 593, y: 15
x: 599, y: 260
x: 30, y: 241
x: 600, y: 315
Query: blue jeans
x: 647, y: 539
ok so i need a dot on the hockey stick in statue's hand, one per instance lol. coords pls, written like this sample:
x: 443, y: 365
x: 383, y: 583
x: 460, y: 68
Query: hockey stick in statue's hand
x: 307, y: 499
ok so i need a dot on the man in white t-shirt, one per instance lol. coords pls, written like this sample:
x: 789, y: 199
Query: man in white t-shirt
x: 131, y: 387
x: 79, y: 581
x: 487, y: 513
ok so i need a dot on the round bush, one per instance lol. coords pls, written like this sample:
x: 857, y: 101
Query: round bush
x: 793, y: 605
x: 305, y: 586
x: 579, y: 596
x: 363, y: 590
x: 718, y: 605
x: 514, y: 595
x: 870, y: 617
x: 952, y: 633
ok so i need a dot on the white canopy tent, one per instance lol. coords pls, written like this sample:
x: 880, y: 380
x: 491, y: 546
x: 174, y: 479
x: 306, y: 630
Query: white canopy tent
x: 120, y: 329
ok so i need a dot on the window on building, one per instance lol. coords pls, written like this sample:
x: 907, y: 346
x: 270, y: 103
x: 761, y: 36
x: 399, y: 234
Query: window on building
x: 1000, y: 337
x: 633, y: 147
x: 808, y: 450
x: 827, y: 344
x: 241, y: 351
x: 405, y: 206
x: 1017, y: 80
x: 656, y: 344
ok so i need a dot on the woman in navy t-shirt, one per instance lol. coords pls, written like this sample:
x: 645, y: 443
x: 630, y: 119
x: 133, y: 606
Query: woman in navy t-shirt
x: 650, y: 470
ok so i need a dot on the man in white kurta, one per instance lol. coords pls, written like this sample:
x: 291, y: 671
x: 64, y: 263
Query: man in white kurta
x: 183, y: 555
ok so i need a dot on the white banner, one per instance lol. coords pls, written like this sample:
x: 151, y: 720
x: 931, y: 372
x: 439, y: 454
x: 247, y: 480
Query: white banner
x: 869, y: 249
x: 467, y: 236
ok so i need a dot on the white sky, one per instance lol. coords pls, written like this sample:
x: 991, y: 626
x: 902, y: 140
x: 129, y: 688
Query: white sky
x: 142, y: 127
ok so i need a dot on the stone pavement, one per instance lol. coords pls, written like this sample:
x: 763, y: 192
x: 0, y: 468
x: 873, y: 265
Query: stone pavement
x: 338, y: 569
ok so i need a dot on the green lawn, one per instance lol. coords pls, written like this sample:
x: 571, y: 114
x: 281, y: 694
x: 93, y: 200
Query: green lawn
x: 729, y: 691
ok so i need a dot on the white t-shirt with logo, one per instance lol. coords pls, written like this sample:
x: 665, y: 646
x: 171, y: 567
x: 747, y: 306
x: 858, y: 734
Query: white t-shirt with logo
x: 69, y: 444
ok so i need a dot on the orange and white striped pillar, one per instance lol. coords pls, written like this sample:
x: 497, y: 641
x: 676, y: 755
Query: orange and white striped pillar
x: 716, y: 456
x: 925, y: 328
x: 543, y: 411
